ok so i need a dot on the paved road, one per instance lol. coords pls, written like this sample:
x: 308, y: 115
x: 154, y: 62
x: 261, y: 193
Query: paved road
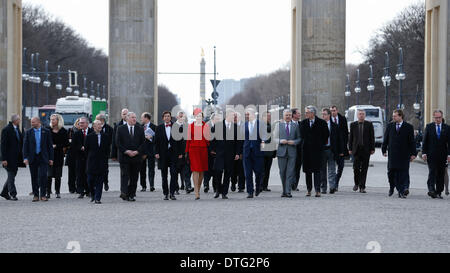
x: 345, y: 222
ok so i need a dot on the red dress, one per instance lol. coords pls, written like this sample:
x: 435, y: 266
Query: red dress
x: 197, y: 147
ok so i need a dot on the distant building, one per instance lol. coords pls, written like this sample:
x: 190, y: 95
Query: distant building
x: 229, y: 88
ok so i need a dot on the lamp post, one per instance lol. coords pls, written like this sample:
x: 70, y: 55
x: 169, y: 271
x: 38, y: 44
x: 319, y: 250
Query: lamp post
x: 358, y: 86
x: 58, y: 85
x: 98, y: 92
x: 386, y: 82
x: 38, y: 80
x: 104, y: 92
x: 400, y: 76
x: 46, y: 83
x: 418, y: 108
x: 348, y: 93
x: 371, y: 86
x: 69, y: 89
x: 92, y: 96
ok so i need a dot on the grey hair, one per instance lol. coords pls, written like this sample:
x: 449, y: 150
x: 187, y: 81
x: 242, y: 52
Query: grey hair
x: 15, y: 117
x: 438, y: 111
x: 287, y: 111
x: 130, y: 113
x: 101, y: 117
x: 312, y: 109
x: 83, y: 118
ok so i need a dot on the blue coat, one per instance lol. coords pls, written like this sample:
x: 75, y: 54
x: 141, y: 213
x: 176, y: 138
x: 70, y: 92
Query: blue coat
x: 253, y: 141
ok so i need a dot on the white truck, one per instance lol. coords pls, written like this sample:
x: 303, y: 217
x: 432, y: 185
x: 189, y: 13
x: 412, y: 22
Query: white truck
x: 71, y: 108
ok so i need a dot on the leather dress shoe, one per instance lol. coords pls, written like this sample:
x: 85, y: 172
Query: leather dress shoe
x: 432, y: 195
x: 182, y: 188
x: 240, y: 191
x: 406, y: 193
x: 391, y: 192
x: 355, y: 188
x: 217, y: 195
x: 308, y: 194
x: 131, y: 199
x: 98, y: 202
x: 257, y: 193
x: 318, y: 194
x: 224, y: 197
x: 284, y: 195
x: 92, y: 200
x: 439, y: 196
x: 362, y: 191
x: 447, y: 193
x: 289, y: 195
x: 58, y: 196
x: 144, y: 190
x: 267, y: 190
x: 35, y: 199
x: 6, y: 196
x: 401, y: 196
x: 332, y: 191
x: 106, y: 189
x: 166, y: 197
x: 44, y: 199
x: 124, y: 197
x: 177, y: 193
x: 81, y: 196
x: 206, y: 190
x: 152, y: 189
x: 250, y: 196
x: 172, y: 197
x: 14, y: 198
x: 233, y: 188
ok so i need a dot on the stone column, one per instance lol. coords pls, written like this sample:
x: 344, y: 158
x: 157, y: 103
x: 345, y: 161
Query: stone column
x: 437, y: 58
x: 133, y: 57
x: 318, y: 53
x: 10, y: 59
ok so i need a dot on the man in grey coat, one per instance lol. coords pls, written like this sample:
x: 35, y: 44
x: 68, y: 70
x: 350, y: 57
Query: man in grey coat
x: 288, y: 137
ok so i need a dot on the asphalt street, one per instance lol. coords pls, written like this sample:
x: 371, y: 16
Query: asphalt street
x: 345, y: 222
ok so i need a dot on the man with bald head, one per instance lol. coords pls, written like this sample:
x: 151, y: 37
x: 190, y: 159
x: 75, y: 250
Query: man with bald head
x: 123, y: 121
x: 38, y: 154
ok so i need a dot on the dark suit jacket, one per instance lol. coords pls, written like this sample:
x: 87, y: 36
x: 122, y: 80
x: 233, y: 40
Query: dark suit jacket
x: 162, y: 146
x: 109, y: 132
x: 368, y: 137
x: 337, y: 144
x: 114, y: 152
x: 78, y: 142
x: 253, y: 142
x: 436, y: 150
x: 314, y: 140
x: 97, y: 157
x: 150, y: 145
x: 29, y: 146
x: 400, y: 146
x: 11, y: 148
x: 226, y: 147
x: 343, y: 130
x: 125, y: 142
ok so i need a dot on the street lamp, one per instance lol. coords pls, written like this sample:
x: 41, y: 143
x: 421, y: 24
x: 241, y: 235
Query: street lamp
x: 58, y: 85
x: 92, y: 96
x: 46, y: 83
x: 358, y: 86
x: 104, y: 93
x: 418, y: 108
x: 371, y: 86
x: 98, y: 92
x: 348, y: 93
x: 386, y: 83
x: 69, y: 89
x: 400, y: 76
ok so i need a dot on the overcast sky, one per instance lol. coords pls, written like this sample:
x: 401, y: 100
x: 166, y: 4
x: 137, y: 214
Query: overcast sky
x: 252, y: 36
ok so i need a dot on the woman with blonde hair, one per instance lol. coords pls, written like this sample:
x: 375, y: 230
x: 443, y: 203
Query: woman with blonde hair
x: 60, y: 144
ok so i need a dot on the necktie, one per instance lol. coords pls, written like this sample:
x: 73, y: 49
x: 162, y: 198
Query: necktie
x: 398, y: 127
x: 439, y: 131
x: 17, y: 134
x: 84, y: 133
x: 168, y: 125
x: 287, y: 130
x: 311, y: 123
x: 131, y: 131
x: 335, y: 120
x: 99, y: 140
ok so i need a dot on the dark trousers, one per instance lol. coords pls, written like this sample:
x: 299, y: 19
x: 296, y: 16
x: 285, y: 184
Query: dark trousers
x: 82, y: 185
x: 399, y: 179
x: 256, y: 165
x: 106, y: 176
x: 172, y: 164
x: 184, y: 171
x: 10, y: 187
x: 57, y: 185
x: 267, y: 166
x: 72, y: 179
x: 340, y: 169
x: 38, y: 171
x: 210, y: 174
x: 129, y: 174
x: 436, y: 177
x: 360, y: 168
x: 298, y: 167
x: 309, y: 181
x: 223, y: 185
x: 238, y: 177
x: 96, y: 185
x: 150, y: 163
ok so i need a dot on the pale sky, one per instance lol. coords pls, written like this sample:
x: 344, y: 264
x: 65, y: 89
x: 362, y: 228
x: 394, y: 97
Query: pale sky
x: 252, y: 36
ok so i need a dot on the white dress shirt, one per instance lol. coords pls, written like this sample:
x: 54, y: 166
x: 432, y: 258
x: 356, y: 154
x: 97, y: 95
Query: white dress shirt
x: 168, y: 132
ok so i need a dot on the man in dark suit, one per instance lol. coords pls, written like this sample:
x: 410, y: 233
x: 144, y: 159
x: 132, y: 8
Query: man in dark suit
x: 314, y: 132
x: 270, y: 153
x: 77, y: 147
x: 342, y: 123
x: 253, y: 156
x: 38, y: 154
x: 114, y: 152
x: 361, y: 145
x: 238, y: 178
x: 130, y: 140
x: 11, y: 147
x: 180, y: 134
x: 149, y: 154
x: 296, y: 119
x: 436, y: 152
x: 333, y: 150
x: 109, y: 132
x: 227, y: 151
x: 167, y: 151
x: 97, y: 146
x: 400, y: 146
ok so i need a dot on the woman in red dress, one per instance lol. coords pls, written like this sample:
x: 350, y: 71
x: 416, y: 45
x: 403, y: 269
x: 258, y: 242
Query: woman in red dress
x: 197, y: 149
